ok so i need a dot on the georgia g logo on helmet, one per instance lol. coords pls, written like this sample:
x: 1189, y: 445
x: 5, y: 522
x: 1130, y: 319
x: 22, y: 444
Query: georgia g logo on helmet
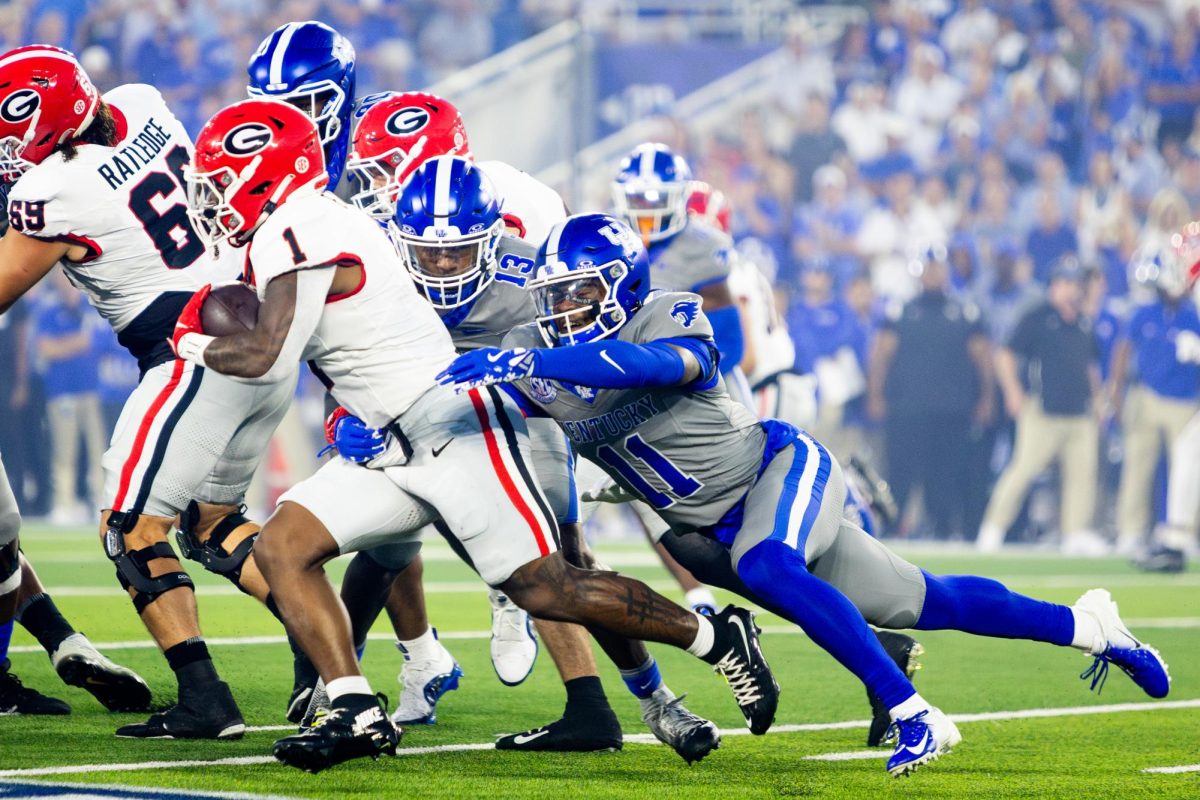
x: 407, y: 121
x: 20, y: 105
x: 247, y: 139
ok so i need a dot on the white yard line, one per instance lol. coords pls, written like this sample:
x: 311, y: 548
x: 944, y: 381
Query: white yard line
x: 1173, y: 770
x: 642, y: 738
x: 774, y: 630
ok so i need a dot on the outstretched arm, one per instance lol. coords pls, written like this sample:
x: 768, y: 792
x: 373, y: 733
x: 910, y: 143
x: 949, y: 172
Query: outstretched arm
x: 606, y: 364
x: 24, y: 261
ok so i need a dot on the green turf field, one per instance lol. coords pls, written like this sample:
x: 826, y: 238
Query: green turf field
x: 1065, y: 753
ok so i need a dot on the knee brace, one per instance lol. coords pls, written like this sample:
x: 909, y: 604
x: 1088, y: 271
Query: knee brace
x: 133, y: 566
x: 209, y: 553
x: 10, y: 567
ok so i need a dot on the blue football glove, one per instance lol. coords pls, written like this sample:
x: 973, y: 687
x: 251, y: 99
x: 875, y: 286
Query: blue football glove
x: 489, y: 365
x: 353, y: 440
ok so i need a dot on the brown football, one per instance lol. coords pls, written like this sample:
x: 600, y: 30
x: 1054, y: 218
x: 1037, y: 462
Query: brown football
x: 229, y: 309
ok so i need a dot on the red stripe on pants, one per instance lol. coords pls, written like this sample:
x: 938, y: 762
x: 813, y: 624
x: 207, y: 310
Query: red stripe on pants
x: 510, y: 488
x: 139, y: 443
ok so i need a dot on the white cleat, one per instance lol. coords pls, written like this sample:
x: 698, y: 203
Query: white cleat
x: 920, y: 739
x: 1085, y: 544
x: 1116, y: 645
x: 514, y: 644
x: 117, y: 688
x: 423, y: 684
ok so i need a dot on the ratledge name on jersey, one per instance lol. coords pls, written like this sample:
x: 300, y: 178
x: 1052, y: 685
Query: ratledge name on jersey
x: 140, y: 150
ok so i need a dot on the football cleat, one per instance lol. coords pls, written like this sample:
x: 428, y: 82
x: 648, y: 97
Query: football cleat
x: 877, y: 493
x: 514, y: 644
x: 921, y: 738
x: 318, y: 706
x: 1141, y: 662
x: 737, y: 656
x: 341, y: 735
x: 1161, y: 559
x: 208, y: 714
x: 299, y: 703
x: 575, y: 733
x: 905, y: 651
x: 16, y: 698
x: 691, y: 736
x: 424, y: 682
x: 117, y: 688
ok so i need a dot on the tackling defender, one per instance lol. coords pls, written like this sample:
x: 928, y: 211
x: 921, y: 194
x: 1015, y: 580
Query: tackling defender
x: 258, y: 182
x: 632, y: 378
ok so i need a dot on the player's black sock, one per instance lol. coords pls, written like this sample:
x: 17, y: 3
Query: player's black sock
x: 584, y: 695
x: 192, y: 664
x: 41, y: 617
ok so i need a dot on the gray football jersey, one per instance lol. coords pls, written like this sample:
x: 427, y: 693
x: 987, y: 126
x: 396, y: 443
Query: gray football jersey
x: 695, y: 257
x: 502, y: 306
x: 690, y: 454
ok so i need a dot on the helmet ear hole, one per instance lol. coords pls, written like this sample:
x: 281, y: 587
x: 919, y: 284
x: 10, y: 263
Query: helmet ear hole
x: 261, y: 188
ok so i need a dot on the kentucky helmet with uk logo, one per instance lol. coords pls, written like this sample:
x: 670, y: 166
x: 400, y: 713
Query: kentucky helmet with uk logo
x: 592, y: 275
x: 45, y: 99
x: 446, y: 228
x: 394, y: 134
x: 651, y: 191
x: 249, y: 158
x: 311, y: 66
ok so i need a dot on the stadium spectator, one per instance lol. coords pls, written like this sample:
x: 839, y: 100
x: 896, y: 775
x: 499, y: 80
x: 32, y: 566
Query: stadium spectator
x: 1104, y: 216
x: 1173, y: 85
x: 1050, y: 379
x: 1162, y: 395
x: 117, y: 375
x: 63, y: 329
x: 813, y: 144
x: 931, y: 370
x: 862, y: 121
x: 1052, y: 238
x: 926, y: 98
x: 456, y: 35
x: 900, y: 225
x: 827, y: 226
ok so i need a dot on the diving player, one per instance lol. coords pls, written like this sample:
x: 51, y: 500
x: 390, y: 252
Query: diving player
x: 99, y: 191
x: 632, y: 378
x: 333, y: 294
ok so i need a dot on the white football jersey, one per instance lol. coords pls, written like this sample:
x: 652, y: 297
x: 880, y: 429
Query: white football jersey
x: 530, y: 207
x: 774, y: 351
x: 377, y: 348
x: 125, y: 204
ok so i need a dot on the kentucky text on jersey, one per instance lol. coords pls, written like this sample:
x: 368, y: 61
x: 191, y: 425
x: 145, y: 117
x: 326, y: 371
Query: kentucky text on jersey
x: 609, y: 425
x: 138, y: 151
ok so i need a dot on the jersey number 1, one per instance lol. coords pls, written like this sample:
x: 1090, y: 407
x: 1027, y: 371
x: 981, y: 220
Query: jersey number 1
x: 170, y: 229
x: 678, y: 482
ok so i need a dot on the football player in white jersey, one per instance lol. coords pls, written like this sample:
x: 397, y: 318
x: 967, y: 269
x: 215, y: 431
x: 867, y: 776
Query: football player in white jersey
x: 333, y: 293
x: 99, y: 189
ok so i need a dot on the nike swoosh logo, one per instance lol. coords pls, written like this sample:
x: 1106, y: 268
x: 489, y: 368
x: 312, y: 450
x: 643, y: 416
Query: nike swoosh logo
x: 437, y: 451
x: 616, y: 366
x: 920, y: 748
x: 494, y: 357
x: 742, y: 630
x: 524, y: 738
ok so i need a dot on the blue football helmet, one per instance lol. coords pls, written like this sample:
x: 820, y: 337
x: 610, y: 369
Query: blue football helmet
x: 446, y: 228
x: 651, y: 191
x: 311, y: 66
x: 592, y: 275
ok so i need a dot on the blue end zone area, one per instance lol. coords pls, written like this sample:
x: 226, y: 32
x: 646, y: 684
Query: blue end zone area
x: 85, y: 791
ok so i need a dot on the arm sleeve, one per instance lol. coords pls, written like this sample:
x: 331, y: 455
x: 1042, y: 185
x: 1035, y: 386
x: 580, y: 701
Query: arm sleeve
x: 622, y: 365
x: 312, y: 287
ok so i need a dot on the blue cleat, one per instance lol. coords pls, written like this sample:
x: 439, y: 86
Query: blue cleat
x: 1141, y: 662
x: 424, y: 682
x: 920, y: 739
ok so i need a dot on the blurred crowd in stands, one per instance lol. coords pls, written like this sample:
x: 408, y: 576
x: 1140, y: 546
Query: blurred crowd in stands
x: 1049, y: 147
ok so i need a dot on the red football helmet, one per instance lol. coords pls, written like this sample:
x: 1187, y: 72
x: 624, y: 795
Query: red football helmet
x: 45, y: 99
x: 250, y: 157
x: 396, y: 134
x: 1186, y: 246
x: 709, y: 204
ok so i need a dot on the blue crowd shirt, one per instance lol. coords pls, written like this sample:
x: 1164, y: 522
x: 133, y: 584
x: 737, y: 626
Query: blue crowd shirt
x: 1153, y: 331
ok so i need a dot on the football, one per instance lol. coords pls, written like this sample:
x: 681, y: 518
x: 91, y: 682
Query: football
x: 230, y: 308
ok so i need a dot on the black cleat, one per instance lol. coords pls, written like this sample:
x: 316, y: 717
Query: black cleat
x: 905, y: 651
x: 117, y: 688
x: 1161, y: 559
x: 878, y: 494
x: 207, y: 714
x: 298, y: 704
x: 16, y: 698
x: 691, y: 736
x: 597, y: 730
x: 341, y: 735
x: 737, y: 656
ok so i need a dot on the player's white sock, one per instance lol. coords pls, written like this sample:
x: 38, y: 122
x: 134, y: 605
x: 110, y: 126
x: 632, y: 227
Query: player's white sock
x: 661, y: 696
x: 913, y: 705
x: 705, y: 637
x: 351, y: 684
x: 1090, y: 637
x: 422, y: 648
